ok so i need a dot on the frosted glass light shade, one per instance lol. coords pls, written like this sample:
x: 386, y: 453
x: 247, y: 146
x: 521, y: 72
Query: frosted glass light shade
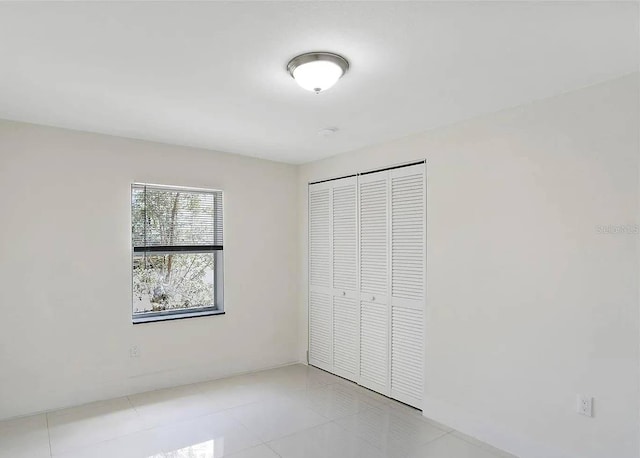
x: 317, y: 76
x: 317, y: 72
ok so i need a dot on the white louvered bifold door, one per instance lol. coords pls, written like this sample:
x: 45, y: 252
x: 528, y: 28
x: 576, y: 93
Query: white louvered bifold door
x: 320, y: 276
x: 346, y: 316
x: 374, y: 282
x: 408, y: 208
x: 367, y: 280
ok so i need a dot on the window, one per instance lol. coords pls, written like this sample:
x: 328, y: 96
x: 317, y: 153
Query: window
x: 176, y: 235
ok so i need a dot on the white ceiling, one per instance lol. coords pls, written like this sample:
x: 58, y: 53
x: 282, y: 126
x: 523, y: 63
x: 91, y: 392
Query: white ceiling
x: 213, y: 75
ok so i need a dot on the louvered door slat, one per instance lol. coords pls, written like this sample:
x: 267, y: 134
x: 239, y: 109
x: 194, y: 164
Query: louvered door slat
x: 373, y: 235
x: 320, y: 324
x: 374, y: 338
x: 407, y: 354
x: 345, y: 337
x: 374, y: 281
x: 345, y: 248
x: 319, y: 236
x: 407, y: 284
x: 346, y: 340
x: 407, y: 240
x: 320, y: 277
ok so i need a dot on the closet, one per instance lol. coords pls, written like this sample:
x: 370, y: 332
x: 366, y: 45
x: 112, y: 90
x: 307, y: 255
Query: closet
x: 367, y: 279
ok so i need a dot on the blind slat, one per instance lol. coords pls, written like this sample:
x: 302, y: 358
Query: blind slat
x: 173, y: 217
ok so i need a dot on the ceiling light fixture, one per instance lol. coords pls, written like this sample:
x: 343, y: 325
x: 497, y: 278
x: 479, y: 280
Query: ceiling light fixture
x: 317, y: 71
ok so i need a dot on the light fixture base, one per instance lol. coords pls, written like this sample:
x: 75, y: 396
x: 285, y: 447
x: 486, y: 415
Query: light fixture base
x: 317, y: 56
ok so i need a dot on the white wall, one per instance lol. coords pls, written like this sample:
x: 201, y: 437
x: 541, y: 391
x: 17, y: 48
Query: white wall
x: 65, y: 326
x: 527, y: 303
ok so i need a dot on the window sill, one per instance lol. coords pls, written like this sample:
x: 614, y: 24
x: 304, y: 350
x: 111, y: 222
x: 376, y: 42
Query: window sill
x: 168, y: 316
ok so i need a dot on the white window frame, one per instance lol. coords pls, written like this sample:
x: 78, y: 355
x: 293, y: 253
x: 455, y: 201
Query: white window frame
x: 218, y: 274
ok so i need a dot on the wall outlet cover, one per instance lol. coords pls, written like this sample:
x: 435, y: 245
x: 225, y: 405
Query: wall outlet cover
x: 584, y: 405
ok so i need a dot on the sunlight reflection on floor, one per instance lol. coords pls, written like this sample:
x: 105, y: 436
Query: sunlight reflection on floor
x: 205, y: 449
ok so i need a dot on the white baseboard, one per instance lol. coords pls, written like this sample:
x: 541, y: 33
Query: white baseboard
x: 492, y: 434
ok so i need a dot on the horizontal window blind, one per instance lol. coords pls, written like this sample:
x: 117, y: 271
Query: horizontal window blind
x: 176, y: 220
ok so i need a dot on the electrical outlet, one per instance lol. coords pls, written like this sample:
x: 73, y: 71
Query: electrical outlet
x: 134, y: 351
x: 584, y: 405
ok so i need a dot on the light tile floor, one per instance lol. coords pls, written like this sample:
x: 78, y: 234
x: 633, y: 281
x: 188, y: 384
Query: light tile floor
x: 290, y: 412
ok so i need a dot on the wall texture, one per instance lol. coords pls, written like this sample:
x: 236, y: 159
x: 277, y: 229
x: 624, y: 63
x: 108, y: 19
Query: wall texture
x: 65, y: 328
x: 533, y: 275
x: 530, y: 298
